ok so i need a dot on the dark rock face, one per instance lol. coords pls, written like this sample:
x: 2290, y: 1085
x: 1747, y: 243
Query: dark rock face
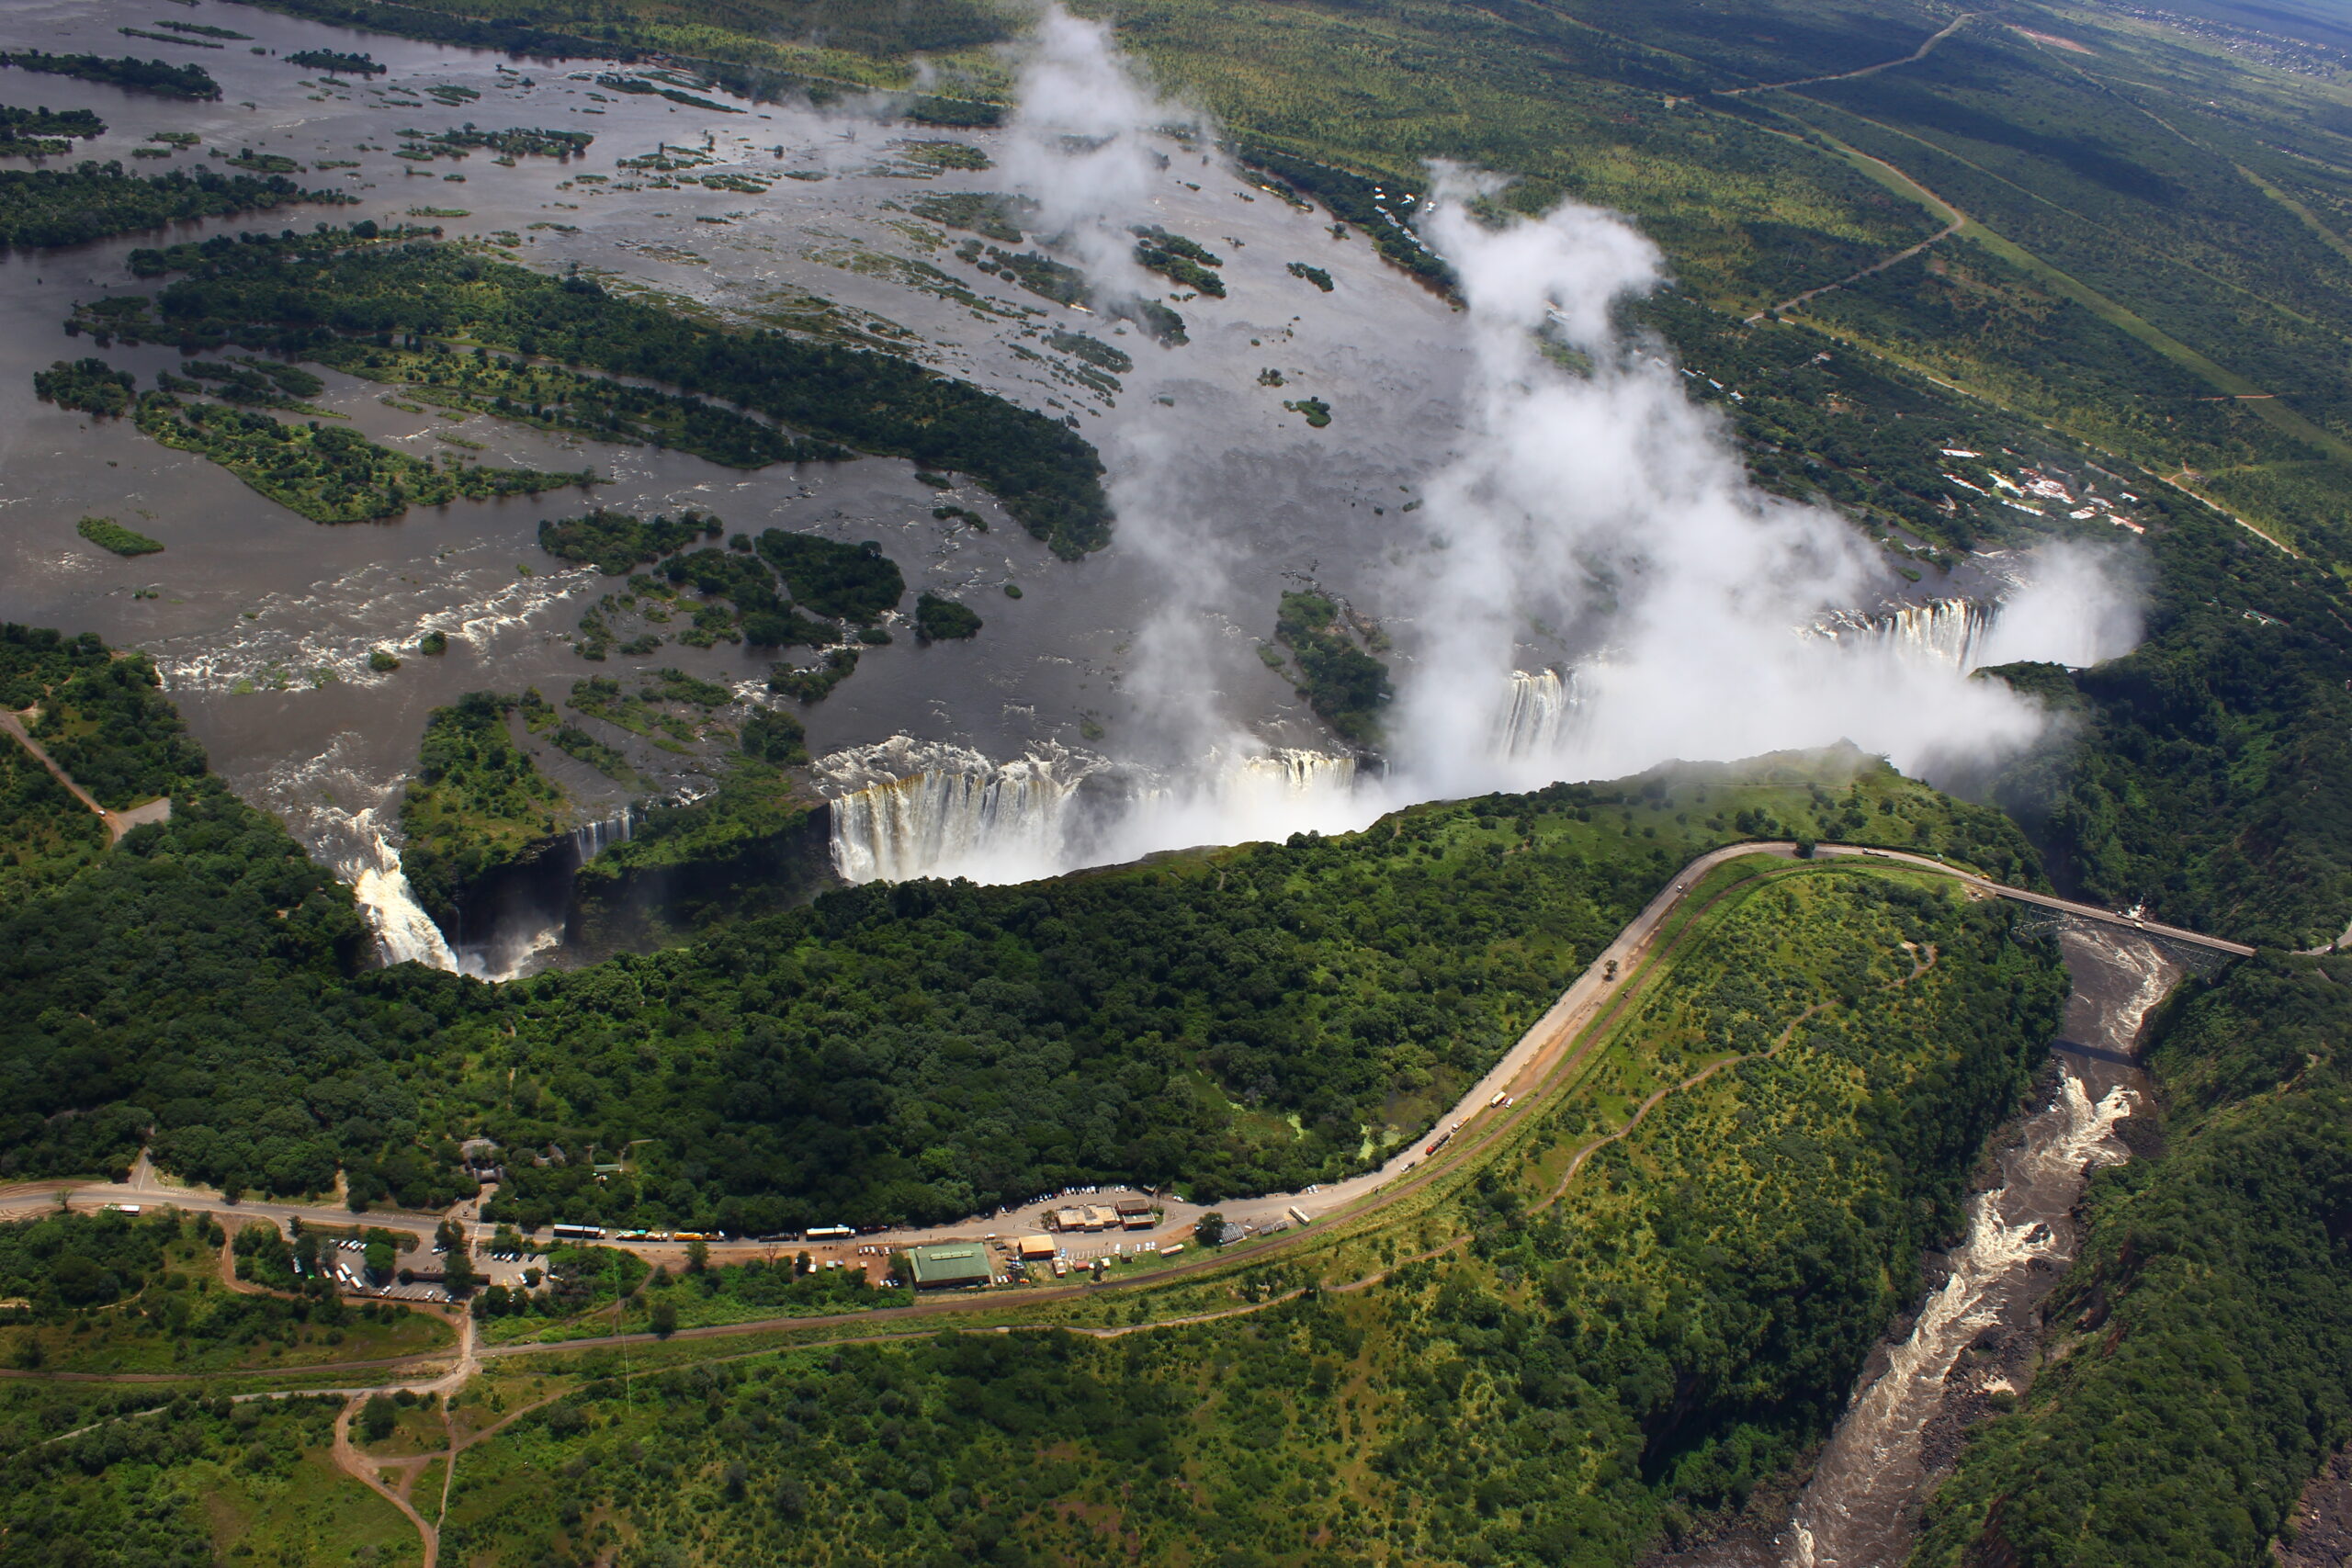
x: 2322, y: 1519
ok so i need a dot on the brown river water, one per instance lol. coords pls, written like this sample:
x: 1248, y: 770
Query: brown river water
x: 1223, y: 494
x: 1972, y: 1338
x: 262, y: 621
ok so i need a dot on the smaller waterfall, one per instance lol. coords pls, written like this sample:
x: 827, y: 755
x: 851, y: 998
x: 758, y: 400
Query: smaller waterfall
x: 1944, y: 631
x: 1534, y: 719
x: 511, y: 922
x: 906, y: 808
x: 1230, y: 798
x: 404, y: 929
x: 1290, y: 773
x: 593, y: 838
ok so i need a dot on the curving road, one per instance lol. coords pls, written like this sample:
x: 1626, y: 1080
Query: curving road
x: 1554, y: 1043
x: 1554, y: 1047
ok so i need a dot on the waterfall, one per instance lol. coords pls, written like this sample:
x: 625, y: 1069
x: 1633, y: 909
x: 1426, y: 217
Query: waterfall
x: 1534, y: 717
x: 404, y: 929
x: 593, y: 838
x: 512, y: 922
x: 947, y: 811
x: 1292, y: 774
x: 1944, y: 631
x: 906, y: 808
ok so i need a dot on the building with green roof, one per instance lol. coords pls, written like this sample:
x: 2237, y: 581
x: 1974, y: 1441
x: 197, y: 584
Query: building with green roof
x: 949, y: 1263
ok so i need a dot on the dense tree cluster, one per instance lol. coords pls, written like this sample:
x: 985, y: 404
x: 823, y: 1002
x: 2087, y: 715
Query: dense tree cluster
x: 136, y: 1491
x: 1186, y: 263
x: 552, y: 398
x: 856, y: 582
x: 332, y: 61
x: 477, y: 801
x: 42, y: 132
x: 1348, y: 687
x: 617, y: 542
x: 517, y: 141
x: 158, y: 77
x: 1687, y: 1316
x: 1356, y: 200
x: 43, y: 209
x: 943, y: 620
x: 328, y: 473
x: 89, y: 385
x: 103, y: 718
x: 2207, y: 773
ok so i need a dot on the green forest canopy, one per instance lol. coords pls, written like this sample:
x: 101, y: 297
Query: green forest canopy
x: 1233, y: 1020
x: 1686, y: 1317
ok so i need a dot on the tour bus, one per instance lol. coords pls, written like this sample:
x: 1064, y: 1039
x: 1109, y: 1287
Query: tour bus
x: 828, y: 1233
x: 578, y: 1233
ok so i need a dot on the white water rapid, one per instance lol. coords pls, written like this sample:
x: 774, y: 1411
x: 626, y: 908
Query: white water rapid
x: 1860, y: 1508
x: 593, y: 838
x: 946, y: 811
x: 1535, y: 717
x: 1874, y: 1457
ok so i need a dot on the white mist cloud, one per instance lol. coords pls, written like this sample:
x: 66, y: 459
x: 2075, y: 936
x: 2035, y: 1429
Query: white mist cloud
x: 1592, y: 515
x: 1082, y: 146
x: 1593, y: 497
x: 2079, y: 606
x: 1078, y: 146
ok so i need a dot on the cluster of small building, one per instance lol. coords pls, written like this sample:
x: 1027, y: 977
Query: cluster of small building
x: 2030, y: 485
x: 971, y: 1264
x: 1120, y: 1213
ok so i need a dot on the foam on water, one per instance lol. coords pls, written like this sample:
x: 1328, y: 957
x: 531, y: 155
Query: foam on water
x: 323, y: 635
x: 404, y: 931
x: 1943, y: 631
x: 1866, y: 1483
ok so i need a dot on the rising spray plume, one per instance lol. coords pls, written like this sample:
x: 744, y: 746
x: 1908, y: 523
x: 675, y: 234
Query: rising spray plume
x: 1080, y: 145
x: 1086, y: 147
x: 1592, y: 496
x: 1585, y: 493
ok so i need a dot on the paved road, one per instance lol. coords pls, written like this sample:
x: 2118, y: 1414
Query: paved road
x: 1545, y: 1047
x: 1913, y: 58
x: 2046, y: 901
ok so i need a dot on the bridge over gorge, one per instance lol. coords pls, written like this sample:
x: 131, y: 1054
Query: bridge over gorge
x: 2152, y: 929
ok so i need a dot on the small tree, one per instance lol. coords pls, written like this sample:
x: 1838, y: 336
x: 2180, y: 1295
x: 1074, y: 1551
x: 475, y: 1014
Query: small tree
x: 375, y: 1419
x: 698, y: 1257
x: 1209, y: 1229
x: 665, y: 1316
x: 458, y: 1266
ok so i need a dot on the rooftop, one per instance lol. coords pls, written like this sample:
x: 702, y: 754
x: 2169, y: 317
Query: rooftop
x: 950, y: 1263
